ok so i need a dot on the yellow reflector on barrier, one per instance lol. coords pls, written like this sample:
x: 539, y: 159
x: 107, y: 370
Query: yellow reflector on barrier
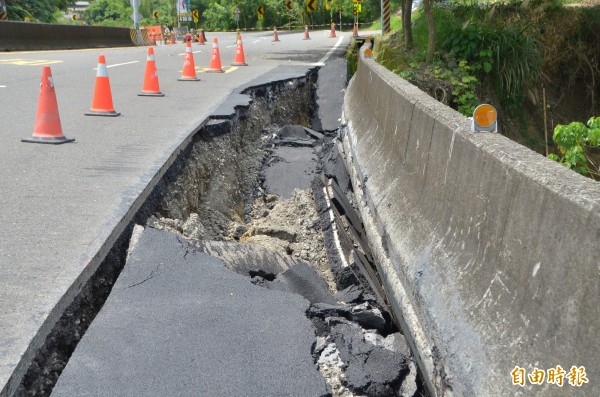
x: 485, y: 115
x: 485, y: 119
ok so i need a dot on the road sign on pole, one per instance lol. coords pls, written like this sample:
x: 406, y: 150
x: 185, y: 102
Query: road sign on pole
x: 261, y: 12
x: 196, y: 15
x: 311, y: 5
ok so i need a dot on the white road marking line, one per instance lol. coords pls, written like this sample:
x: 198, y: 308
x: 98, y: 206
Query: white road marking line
x: 121, y: 64
x: 118, y: 64
x: 326, y: 57
x: 229, y: 46
x: 2, y: 86
x: 255, y: 41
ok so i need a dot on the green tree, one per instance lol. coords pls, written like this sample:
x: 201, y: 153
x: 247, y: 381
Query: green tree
x: 216, y: 17
x: 428, y: 6
x: 47, y: 11
x: 109, y: 13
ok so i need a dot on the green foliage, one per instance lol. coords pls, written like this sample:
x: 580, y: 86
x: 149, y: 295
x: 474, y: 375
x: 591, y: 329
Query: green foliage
x: 508, y: 50
x: 217, y: 17
x: 352, y: 58
x: 518, y: 61
x: 463, y: 82
x: 46, y: 11
x: 573, y: 140
x: 395, y: 24
x: 214, y: 14
x: 109, y: 13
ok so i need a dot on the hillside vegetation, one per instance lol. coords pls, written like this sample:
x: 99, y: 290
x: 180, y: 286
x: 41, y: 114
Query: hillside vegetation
x: 537, y: 62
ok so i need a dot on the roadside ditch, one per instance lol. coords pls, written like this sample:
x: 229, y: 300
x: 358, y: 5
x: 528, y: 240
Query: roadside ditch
x: 263, y: 178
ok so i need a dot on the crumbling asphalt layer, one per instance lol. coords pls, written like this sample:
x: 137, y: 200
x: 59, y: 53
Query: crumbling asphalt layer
x: 211, y: 338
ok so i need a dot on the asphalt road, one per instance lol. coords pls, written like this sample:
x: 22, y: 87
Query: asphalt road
x: 61, y: 207
x: 219, y: 335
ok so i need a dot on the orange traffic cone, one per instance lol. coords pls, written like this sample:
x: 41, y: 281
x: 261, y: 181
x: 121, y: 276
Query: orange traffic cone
x: 102, y: 103
x: 239, y: 59
x: 215, y: 59
x: 275, y: 35
x: 306, y: 35
x: 332, y: 34
x: 47, y: 127
x: 150, y: 86
x: 173, y: 38
x: 355, y: 32
x: 189, y: 68
x: 201, y: 40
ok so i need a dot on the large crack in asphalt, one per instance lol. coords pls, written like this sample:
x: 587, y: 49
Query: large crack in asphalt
x: 357, y: 347
x: 256, y: 191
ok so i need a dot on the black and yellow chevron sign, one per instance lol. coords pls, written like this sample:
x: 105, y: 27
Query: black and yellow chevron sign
x: 261, y: 12
x: 288, y: 4
x: 311, y: 5
x: 155, y: 14
x: 386, y: 27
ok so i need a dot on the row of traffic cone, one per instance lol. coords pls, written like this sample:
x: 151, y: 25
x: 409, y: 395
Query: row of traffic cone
x: 202, y: 37
x: 48, y: 127
x: 307, y: 35
x: 189, y: 68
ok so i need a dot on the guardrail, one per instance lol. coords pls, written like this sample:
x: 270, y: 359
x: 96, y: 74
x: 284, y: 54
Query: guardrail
x: 488, y: 251
x: 21, y: 36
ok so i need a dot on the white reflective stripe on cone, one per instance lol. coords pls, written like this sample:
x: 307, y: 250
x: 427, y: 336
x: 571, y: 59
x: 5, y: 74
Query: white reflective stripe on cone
x: 102, y: 71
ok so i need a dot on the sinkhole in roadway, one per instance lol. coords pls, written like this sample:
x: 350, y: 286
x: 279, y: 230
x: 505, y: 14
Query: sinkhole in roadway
x: 268, y: 196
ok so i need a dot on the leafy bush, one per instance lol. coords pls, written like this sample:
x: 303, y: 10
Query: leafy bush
x: 464, y: 84
x: 513, y: 54
x: 573, y: 140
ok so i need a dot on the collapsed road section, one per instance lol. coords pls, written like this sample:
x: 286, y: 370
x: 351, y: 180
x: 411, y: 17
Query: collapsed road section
x: 246, y: 276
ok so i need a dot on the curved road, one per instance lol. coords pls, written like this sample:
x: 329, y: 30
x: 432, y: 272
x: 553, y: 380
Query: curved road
x: 60, y: 205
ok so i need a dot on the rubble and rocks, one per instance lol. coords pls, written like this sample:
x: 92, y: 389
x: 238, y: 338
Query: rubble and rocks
x: 357, y: 362
x: 357, y: 348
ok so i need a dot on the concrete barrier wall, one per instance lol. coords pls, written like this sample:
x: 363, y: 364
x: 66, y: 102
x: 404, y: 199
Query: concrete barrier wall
x: 20, y: 36
x: 489, y: 251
